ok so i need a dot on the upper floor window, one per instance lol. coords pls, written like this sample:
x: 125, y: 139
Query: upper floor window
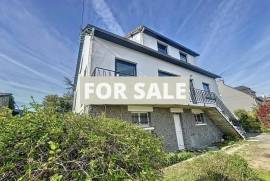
x: 165, y: 74
x: 162, y: 48
x: 183, y: 57
x: 206, y: 87
x: 123, y: 68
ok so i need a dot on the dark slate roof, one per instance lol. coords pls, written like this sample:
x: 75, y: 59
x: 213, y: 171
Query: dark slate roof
x: 101, y: 33
x: 162, y: 38
x: 5, y: 94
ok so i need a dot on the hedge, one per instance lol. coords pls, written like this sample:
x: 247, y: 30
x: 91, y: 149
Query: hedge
x: 46, y: 145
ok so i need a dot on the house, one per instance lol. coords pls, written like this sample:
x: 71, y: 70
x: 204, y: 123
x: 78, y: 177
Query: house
x: 250, y: 92
x: 143, y: 52
x: 6, y: 100
x: 237, y: 98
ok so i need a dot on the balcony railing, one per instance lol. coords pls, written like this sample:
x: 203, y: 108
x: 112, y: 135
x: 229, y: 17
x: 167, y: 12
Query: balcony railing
x: 207, y: 97
x: 106, y: 72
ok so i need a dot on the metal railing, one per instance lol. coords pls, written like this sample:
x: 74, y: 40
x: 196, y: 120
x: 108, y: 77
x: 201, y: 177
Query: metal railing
x: 106, y: 72
x: 207, y: 97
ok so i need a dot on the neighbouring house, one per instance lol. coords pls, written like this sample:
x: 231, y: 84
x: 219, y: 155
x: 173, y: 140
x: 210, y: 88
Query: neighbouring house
x: 246, y: 90
x: 143, y: 52
x: 236, y: 98
x: 5, y: 99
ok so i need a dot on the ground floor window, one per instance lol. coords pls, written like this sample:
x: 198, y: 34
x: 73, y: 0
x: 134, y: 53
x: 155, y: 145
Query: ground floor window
x: 141, y: 118
x: 199, y: 118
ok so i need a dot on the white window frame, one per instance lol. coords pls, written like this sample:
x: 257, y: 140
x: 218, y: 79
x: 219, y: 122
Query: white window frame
x: 181, y: 52
x: 199, y: 122
x: 164, y: 44
x: 139, y: 117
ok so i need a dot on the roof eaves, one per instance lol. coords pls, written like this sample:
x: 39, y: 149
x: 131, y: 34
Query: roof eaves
x: 133, y: 45
x: 169, y: 41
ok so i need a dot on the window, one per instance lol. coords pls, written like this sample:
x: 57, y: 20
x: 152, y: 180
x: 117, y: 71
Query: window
x: 183, y: 57
x: 162, y: 48
x: 123, y: 68
x: 141, y: 119
x: 199, y: 118
x: 206, y: 87
x: 165, y: 74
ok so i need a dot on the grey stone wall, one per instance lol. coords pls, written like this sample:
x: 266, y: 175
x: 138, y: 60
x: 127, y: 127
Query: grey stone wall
x: 195, y: 136
x: 162, y: 121
x: 198, y: 136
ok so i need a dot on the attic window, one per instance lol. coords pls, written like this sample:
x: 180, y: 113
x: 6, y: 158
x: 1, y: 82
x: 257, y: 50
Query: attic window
x: 162, y: 48
x: 183, y: 57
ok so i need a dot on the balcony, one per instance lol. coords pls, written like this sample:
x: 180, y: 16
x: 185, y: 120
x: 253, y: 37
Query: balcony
x: 106, y: 72
x: 198, y: 96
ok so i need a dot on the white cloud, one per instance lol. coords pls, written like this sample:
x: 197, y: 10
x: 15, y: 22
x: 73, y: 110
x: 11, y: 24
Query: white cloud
x: 35, y: 55
x: 104, y: 11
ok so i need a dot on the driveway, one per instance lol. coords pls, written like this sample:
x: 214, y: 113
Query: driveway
x: 256, y: 150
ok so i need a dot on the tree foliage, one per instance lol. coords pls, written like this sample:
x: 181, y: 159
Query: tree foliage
x: 263, y: 113
x: 59, y: 103
x: 249, y: 120
x: 48, y: 145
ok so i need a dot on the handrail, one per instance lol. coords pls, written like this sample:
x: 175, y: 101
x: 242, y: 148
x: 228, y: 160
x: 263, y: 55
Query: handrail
x: 98, y: 71
x: 207, y: 97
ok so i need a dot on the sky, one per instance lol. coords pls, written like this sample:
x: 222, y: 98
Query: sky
x: 39, y: 40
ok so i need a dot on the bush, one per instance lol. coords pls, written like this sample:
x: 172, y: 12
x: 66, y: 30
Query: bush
x: 173, y: 158
x: 249, y: 121
x: 263, y: 113
x: 211, y: 167
x: 49, y: 145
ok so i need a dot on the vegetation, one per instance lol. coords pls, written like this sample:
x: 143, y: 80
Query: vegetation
x: 263, y: 113
x: 48, y: 145
x: 211, y: 167
x: 249, y: 121
x: 173, y: 158
x: 59, y: 103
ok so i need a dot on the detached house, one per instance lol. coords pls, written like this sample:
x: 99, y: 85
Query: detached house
x: 144, y: 52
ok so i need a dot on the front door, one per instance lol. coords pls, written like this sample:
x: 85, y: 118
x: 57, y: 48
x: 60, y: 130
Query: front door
x: 178, y: 131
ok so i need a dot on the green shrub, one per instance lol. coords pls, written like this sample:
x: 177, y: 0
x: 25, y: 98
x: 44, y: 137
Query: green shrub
x: 49, y: 145
x: 249, y: 121
x: 176, y: 157
x: 212, y: 167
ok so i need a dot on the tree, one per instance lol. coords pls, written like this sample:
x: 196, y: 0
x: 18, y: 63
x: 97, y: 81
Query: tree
x: 263, y: 113
x: 61, y: 103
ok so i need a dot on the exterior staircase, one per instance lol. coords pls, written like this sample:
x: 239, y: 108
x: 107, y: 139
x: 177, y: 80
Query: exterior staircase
x: 218, y: 112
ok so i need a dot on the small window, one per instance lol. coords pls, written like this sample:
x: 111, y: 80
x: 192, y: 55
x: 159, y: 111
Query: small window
x: 206, y: 87
x: 141, y: 119
x: 123, y: 68
x: 183, y: 57
x: 162, y: 48
x: 199, y: 118
x: 165, y: 74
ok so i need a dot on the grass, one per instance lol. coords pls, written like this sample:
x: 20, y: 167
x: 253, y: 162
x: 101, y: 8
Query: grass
x: 264, y: 175
x: 211, y: 166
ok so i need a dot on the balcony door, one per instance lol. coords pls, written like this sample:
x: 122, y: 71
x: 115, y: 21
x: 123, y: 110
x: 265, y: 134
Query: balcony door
x: 123, y: 68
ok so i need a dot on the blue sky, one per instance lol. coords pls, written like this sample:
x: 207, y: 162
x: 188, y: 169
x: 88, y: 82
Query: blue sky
x: 39, y: 39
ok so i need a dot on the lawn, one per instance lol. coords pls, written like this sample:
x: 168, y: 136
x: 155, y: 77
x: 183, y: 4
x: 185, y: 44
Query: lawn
x: 248, y: 158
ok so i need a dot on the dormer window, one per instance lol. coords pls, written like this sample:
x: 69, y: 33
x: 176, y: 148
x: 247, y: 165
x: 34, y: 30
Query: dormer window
x: 162, y: 48
x: 183, y: 57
